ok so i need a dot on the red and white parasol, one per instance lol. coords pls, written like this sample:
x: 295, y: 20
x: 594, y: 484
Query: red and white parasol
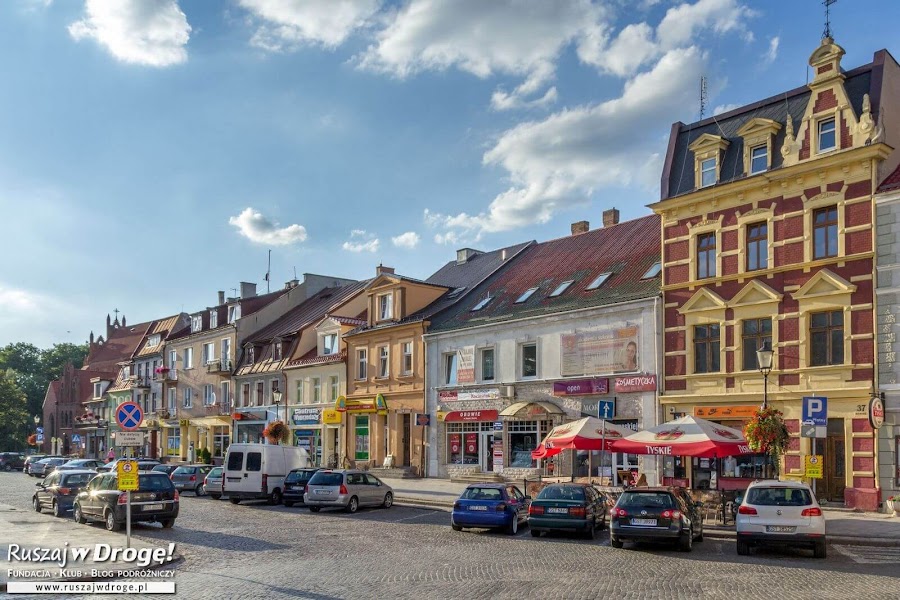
x: 687, y: 436
x: 589, y: 433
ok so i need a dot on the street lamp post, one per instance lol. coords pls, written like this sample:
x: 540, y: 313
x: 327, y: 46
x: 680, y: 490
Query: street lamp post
x: 764, y: 361
x: 276, y: 399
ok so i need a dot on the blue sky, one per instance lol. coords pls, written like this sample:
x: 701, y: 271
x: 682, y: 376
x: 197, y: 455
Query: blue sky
x: 152, y: 152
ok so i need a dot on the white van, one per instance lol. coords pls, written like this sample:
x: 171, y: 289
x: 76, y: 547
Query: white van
x: 257, y: 471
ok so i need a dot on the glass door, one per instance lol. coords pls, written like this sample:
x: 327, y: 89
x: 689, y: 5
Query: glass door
x: 486, y: 451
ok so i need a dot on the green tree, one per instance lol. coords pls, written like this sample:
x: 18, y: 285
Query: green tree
x: 54, y: 359
x: 35, y: 369
x: 13, y: 414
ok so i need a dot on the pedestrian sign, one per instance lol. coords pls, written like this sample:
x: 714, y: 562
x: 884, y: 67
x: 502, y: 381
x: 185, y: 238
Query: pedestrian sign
x: 127, y: 471
x: 76, y: 439
x: 814, y: 466
x: 129, y: 416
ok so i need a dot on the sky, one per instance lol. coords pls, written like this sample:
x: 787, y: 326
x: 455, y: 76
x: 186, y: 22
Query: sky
x: 153, y: 152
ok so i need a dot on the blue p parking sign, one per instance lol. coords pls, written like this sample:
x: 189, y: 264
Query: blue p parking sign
x: 814, y: 413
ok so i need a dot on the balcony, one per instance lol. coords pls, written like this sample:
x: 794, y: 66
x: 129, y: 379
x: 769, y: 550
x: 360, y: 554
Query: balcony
x: 163, y: 413
x: 141, y: 382
x: 218, y: 409
x: 222, y: 367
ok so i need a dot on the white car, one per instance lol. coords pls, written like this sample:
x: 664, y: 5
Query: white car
x: 780, y: 512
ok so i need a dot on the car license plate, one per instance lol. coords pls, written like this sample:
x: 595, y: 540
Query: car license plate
x: 644, y: 522
x: 323, y: 491
x: 153, y: 507
x: 558, y: 510
x: 780, y: 529
x: 478, y: 508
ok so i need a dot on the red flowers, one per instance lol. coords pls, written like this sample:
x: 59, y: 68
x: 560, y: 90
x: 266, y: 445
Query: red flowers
x: 276, y: 432
x: 766, y: 432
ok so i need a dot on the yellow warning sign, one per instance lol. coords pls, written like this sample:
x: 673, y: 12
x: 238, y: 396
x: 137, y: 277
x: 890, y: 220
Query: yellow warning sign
x: 814, y: 466
x: 127, y: 471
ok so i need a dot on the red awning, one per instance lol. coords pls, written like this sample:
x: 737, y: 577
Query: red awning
x: 457, y: 416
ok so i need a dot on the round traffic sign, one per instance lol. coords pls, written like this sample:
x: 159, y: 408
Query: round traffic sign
x: 129, y: 416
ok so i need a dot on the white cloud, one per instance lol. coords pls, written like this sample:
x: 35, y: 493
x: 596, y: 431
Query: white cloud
x: 255, y: 227
x: 724, y: 108
x: 682, y: 22
x: 361, y: 241
x: 408, y: 240
x: 136, y: 31
x: 449, y: 238
x: 772, y: 54
x: 559, y: 162
x: 289, y: 25
x: 21, y: 302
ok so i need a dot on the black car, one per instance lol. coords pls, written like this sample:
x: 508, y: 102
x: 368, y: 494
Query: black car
x: 155, y: 500
x: 575, y: 507
x: 295, y: 486
x: 12, y: 461
x: 653, y: 514
x: 59, y: 489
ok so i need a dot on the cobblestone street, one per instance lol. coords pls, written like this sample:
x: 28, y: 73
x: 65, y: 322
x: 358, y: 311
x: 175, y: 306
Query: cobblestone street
x: 258, y: 551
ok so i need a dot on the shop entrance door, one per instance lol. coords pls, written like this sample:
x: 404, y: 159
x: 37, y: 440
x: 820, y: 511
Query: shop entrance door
x: 486, y: 451
x: 835, y: 461
x: 407, y: 419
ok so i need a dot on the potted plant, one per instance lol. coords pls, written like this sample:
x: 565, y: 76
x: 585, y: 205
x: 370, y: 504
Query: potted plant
x: 893, y: 504
x: 767, y: 433
x: 205, y: 456
x: 276, y: 432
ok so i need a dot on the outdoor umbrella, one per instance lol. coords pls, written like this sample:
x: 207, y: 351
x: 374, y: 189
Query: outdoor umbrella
x: 687, y: 436
x: 589, y: 433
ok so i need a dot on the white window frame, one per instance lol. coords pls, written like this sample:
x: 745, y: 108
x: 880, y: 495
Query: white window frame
x: 234, y: 313
x: 384, y: 362
x: 300, y: 385
x: 213, y: 318
x: 526, y: 295
x: 406, y: 366
x: 481, y: 354
x: 537, y: 365
x: 705, y: 169
x: 209, y: 352
x: 225, y: 388
x: 764, y: 157
x: 226, y: 352
x: 385, y: 307
x: 98, y: 390
x: 277, y: 351
x: 362, y: 364
x: 189, y: 357
x: 173, y: 359
x: 335, y: 385
x: 196, y: 323
x: 316, y: 390
x: 209, y: 394
x: 561, y: 288
x: 327, y: 349
x: 188, y: 398
x: 834, y: 133
x: 451, y: 374
x: 173, y: 401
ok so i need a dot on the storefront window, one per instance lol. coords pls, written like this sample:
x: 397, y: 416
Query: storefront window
x: 464, y: 442
x: 250, y: 434
x: 220, y: 441
x: 523, y: 438
x: 362, y: 438
x: 173, y: 442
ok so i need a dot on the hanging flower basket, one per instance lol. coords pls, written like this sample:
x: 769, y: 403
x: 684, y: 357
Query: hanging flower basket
x: 161, y: 370
x: 32, y: 440
x: 276, y: 432
x: 767, y: 433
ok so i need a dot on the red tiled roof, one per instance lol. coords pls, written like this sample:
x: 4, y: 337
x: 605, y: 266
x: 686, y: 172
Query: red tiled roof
x: 123, y: 342
x: 891, y: 182
x: 312, y: 358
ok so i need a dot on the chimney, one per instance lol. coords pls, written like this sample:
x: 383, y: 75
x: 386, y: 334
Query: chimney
x: 610, y: 217
x: 123, y: 319
x: 583, y: 226
x: 221, y: 298
x: 291, y: 284
x: 382, y: 270
x: 464, y: 254
x: 503, y: 255
x: 248, y: 290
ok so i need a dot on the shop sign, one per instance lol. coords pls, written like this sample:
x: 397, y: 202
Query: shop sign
x: 455, y: 416
x: 331, y: 416
x: 725, y: 412
x: 471, y: 443
x: 581, y: 387
x: 454, y: 396
x: 455, y: 440
x: 306, y: 416
x: 814, y: 466
x: 636, y: 383
x: 876, y: 412
x: 465, y: 371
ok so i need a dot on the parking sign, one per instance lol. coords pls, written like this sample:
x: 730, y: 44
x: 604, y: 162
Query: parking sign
x: 815, y: 413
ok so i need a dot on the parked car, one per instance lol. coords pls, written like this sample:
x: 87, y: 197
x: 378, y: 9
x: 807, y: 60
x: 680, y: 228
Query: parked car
x: 782, y: 513
x: 30, y: 459
x: 346, y: 488
x: 190, y: 478
x: 492, y: 505
x: 257, y: 471
x: 653, y: 514
x: 45, y: 466
x: 167, y: 469
x: 295, y: 485
x: 144, y: 464
x: 80, y: 464
x: 155, y: 500
x: 215, y: 482
x: 10, y: 461
x: 694, y: 509
x: 574, y: 507
x: 58, y: 490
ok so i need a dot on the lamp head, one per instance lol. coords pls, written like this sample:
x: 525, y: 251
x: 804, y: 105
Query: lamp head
x: 276, y: 397
x: 764, y: 357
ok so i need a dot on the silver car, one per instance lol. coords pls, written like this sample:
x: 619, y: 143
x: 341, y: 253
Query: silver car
x: 347, y: 489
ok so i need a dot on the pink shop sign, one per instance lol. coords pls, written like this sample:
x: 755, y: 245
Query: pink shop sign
x: 581, y: 387
x: 636, y: 383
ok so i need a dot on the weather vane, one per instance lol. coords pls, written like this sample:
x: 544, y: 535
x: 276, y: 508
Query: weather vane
x: 827, y: 32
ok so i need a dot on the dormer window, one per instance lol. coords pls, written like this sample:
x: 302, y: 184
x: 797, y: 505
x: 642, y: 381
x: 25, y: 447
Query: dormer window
x: 251, y: 355
x: 561, y: 288
x: 153, y: 341
x: 526, y: 295
x: 234, y: 313
x: 708, y: 151
x: 98, y: 390
x: 213, y: 319
x: 758, y: 135
x: 385, y: 307
x: 708, y: 172
x: 826, y: 135
x: 759, y: 159
x: 196, y: 323
x: 330, y: 343
x: 276, y: 351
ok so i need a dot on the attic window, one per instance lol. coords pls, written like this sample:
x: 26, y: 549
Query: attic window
x: 456, y: 292
x: 598, y: 281
x: 759, y: 159
x: 484, y: 302
x: 826, y: 135
x: 234, y: 313
x: 561, y: 288
x: 707, y: 172
x: 213, y: 318
x: 196, y: 323
x: 525, y: 295
x: 653, y: 271
x: 153, y: 341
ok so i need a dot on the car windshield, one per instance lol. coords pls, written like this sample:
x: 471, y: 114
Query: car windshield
x: 183, y: 471
x: 482, y: 493
x: 295, y: 476
x: 779, y: 496
x: 651, y: 500
x: 322, y: 478
x: 560, y: 492
x: 79, y: 479
x: 155, y: 483
x: 216, y: 472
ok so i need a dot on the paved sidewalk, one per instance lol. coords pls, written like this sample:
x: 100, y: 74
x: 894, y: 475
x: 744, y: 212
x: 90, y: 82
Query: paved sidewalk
x: 25, y: 530
x: 842, y: 526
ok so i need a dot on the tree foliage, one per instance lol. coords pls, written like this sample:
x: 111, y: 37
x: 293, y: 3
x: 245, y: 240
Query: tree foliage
x: 13, y: 415
x: 34, y: 368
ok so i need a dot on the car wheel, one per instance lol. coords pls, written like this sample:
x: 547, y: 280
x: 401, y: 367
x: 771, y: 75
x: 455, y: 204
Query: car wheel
x: 215, y: 496
x: 455, y: 527
x: 275, y: 497
x: 7, y: 467
x: 110, y: 521
x: 167, y: 523
x: 388, y: 500
x: 820, y: 551
x: 235, y: 500
x: 616, y: 543
x: 743, y: 548
x: 200, y: 490
x: 315, y: 508
x: 288, y: 503
x: 535, y: 533
x: 36, y: 503
x: 353, y: 505
x: 590, y: 531
x: 699, y: 537
x: 513, y: 527
x: 686, y: 543
x: 56, y: 511
x: 79, y: 516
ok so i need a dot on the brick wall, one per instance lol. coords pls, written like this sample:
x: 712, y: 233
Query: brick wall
x: 825, y: 100
x: 677, y: 251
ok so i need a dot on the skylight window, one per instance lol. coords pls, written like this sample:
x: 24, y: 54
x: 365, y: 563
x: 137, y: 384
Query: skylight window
x: 652, y: 271
x: 601, y: 278
x: 525, y: 295
x: 456, y: 292
x: 484, y: 302
x: 561, y: 288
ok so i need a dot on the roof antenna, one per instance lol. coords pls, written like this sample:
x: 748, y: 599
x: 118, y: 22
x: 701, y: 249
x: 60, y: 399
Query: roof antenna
x: 703, y: 96
x: 268, y: 272
x: 827, y: 32
x: 295, y: 272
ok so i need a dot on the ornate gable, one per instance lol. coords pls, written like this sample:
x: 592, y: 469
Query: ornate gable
x: 703, y: 301
x: 755, y: 292
x: 824, y: 283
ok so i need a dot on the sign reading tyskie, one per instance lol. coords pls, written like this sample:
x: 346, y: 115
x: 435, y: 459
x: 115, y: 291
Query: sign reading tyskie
x: 581, y: 387
x: 636, y: 383
x: 876, y: 412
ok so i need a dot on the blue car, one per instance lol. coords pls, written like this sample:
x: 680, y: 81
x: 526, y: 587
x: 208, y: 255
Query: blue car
x: 490, y: 505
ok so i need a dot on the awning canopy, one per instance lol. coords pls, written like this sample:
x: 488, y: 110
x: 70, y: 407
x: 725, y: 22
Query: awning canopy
x: 687, y: 436
x: 535, y: 409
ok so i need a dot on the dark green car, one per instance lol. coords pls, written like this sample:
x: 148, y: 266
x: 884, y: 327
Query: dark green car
x: 570, y: 507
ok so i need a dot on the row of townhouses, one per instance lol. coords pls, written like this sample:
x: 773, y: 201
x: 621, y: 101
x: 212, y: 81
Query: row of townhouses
x: 777, y: 227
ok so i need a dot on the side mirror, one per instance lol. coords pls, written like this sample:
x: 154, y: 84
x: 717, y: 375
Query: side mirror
x: 528, y: 497
x: 39, y: 484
